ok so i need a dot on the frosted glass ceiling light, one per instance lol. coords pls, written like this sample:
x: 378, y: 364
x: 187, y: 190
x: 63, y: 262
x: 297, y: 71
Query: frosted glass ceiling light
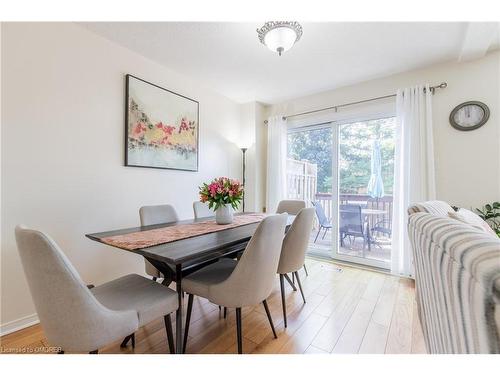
x: 280, y: 36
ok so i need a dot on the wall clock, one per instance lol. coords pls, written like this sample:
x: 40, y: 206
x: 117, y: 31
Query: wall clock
x: 469, y: 115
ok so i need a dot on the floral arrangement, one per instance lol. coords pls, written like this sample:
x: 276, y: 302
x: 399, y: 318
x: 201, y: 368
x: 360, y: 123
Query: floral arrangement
x: 221, y: 191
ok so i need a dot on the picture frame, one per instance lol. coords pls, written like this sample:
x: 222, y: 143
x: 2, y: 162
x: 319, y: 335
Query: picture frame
x: 161, y: 127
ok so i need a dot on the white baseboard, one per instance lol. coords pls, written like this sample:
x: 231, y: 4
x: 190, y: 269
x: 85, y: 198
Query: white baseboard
x: 18, y: 324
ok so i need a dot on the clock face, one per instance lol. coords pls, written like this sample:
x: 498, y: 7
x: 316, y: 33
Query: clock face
x: 469, y: 116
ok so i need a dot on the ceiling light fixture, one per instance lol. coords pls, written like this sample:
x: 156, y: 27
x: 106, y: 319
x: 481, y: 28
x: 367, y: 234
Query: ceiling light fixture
x: 280, y: 36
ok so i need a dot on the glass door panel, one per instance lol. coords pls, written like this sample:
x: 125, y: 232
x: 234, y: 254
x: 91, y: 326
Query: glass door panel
x: 309, y: 178
x: 365, y: 159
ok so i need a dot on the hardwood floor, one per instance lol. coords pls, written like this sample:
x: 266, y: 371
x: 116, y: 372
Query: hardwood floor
x: 347, y: 311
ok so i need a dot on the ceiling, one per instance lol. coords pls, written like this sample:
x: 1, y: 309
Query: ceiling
x: 229, y: 58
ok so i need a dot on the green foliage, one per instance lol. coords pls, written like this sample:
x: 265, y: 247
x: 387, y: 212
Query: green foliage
x: 314, y: 146
x: 356, y: 144
x: 491, y: 214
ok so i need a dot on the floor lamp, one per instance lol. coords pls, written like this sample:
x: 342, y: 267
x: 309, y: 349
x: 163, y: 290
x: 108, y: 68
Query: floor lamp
x: 243, y: 150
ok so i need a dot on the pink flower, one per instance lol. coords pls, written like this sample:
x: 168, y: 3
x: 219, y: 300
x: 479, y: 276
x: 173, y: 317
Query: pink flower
x: 213, y: 189
x: 138, y: 130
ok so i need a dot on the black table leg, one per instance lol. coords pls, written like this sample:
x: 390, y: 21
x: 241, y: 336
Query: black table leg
x: 178, y: 314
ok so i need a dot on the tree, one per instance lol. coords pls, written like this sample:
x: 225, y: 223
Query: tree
x: 355, y: 150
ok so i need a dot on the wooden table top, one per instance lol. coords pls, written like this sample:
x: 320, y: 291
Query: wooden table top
x: 188, y: 249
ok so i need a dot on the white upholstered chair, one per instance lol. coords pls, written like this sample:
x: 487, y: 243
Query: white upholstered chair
x: 201, y: 210
x: 292, y: 207
x: 152, y: 215
x: 78, y: 319
x: 246, y: 282
x: 293, y: 251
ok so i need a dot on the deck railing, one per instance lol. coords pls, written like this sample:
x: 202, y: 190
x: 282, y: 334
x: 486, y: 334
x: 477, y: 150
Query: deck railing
x: 301, y: 180
x: 301, y: 184
x: 365, y: 201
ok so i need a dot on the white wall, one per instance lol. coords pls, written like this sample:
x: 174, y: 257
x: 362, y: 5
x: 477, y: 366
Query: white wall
x: 467, y: 163
x: 252, y: 132
x: 62, y: 150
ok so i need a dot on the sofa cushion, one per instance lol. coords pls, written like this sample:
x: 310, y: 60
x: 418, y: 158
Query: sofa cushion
x: 439, y: 208
x: 468, y: 217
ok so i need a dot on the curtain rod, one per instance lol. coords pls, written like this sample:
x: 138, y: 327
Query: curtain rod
x: 442, y: 85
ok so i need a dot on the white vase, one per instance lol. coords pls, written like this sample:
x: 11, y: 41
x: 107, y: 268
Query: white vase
x: 224, y: 214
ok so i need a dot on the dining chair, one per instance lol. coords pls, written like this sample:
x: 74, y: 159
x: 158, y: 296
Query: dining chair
x: 202, y: 210
x: 242, y: 283
x: 151, y: 215
x: 351, y: 224
x: 292, y: 207
x: 78, y: 319
x: 323, y: 221
x: 293, y: 251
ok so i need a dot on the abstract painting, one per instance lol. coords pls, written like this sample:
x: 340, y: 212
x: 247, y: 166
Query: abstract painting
x: 161, y: 127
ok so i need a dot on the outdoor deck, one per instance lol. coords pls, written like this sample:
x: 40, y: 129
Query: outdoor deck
x: 323, y: 248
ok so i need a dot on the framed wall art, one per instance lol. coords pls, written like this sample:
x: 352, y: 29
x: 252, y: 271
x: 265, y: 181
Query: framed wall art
x: 161, y: 127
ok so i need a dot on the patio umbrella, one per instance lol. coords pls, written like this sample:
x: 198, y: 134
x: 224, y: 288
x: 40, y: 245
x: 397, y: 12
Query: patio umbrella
x: 376, y: 186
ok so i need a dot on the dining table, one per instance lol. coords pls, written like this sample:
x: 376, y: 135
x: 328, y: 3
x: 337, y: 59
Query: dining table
x: 177, y: 258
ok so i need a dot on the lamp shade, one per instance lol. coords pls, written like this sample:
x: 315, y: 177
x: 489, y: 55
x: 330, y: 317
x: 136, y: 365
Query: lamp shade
x: 280, y: 39
x: 280, y: 36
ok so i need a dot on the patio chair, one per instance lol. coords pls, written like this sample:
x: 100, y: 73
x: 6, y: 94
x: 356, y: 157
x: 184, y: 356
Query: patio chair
x: 383, y: 226
x: 324, y: 222
x: 352, y: 224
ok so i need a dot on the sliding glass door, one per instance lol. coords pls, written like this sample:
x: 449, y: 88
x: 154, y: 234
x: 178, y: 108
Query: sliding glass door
x: 346, y: 171
x: 365, y: 163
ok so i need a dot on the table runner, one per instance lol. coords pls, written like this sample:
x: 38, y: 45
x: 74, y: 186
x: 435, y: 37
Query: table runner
x: 153, y: 237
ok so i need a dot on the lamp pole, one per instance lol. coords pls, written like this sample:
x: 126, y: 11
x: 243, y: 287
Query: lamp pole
x: 244, y: 150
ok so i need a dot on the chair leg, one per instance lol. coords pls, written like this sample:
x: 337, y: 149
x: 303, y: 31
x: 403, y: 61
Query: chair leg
x: 305, y: 269
x: 225, y: 312
x: 293, y: 279
x: 94, y: 352
x: 127, y: 339
x: 282, y: 284
x: 188, y: 319
x: 270, y: 318
x: 324, y: 234
x: 300, y: 286
x: 238, y: 330
x: 319, y: 230
x: 170, y: 333
x: 290, y: 282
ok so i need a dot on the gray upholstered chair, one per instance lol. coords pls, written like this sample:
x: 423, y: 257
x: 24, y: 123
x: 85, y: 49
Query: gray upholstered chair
x: 201, y: 210
x: 246, y: 282
x: 78, y: 319
x: 292, y: 207
x: 293, y: 251
x: 152, y: 215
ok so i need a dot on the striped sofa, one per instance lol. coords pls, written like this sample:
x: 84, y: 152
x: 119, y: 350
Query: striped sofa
x: 457, y: 274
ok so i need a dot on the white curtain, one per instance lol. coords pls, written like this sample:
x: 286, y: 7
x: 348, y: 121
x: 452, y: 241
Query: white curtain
x: 413, y: 168
x: 276, y: 162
